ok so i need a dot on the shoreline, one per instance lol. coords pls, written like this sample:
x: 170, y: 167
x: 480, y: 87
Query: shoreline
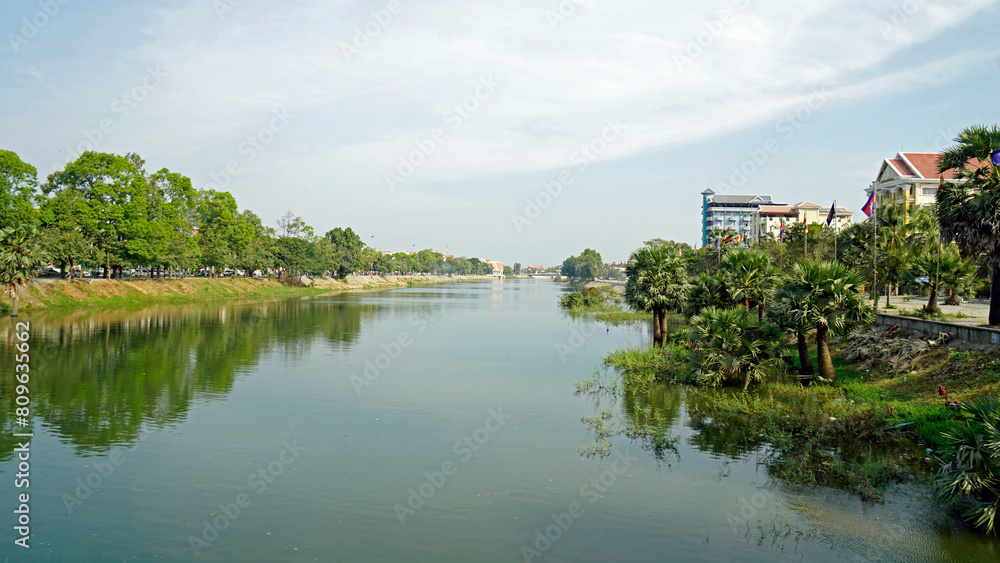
x: 59, y: 294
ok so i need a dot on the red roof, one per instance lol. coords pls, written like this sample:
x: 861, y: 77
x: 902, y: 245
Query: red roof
x: 924, y: 165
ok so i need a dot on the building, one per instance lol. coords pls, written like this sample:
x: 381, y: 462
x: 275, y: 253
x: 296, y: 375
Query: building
x: 768, y: 219
x: 733, y: 212
x: 911, y: 178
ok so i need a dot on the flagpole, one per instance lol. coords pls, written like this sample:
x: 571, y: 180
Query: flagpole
x: 875, y: 248
x: 805, y: 247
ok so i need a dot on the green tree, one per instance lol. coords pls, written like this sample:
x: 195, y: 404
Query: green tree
x: 828, y: 294
x: 20, y: 259
x: 216, y: 212
x: 584, y: 266
x: 62, y: 218
x: 348, y: 251
x: 253, y: 243
x: 657, y: 282
x: 969, y: 211
x: 732, y: 345
x: 957, y: 275
x: 18, y: 187
x: 114, y: 215
x: 750, y: 276
x: 707, y: 290
x: 969, y: 476
x: 172, y: 215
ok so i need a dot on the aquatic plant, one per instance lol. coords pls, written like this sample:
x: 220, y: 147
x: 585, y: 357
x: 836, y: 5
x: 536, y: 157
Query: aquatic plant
x: 969, y: 476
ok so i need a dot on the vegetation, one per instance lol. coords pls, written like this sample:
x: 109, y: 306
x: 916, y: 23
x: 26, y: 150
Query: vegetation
x: 657, y: 282
x: 20, y: 257
x: 969, y: 478
x: 969, y: 212
x: 854, y: 426
x: 106, y: 212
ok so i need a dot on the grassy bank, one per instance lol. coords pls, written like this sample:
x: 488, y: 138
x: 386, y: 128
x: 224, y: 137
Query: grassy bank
x: 867, y: 429
x: 59, y: 293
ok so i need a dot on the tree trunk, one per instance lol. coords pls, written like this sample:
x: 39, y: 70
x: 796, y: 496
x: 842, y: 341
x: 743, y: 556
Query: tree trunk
x: 932, y: 302
x: 664, y: 333
x: 995, y: 296
x: 826, y: 370
x: 17, y: 301
x: 805, y: 361
x: 760, y: 312
x: 746, y: 303
x: 953, y: 297
x: 888, y: 290
x: 657, y: 328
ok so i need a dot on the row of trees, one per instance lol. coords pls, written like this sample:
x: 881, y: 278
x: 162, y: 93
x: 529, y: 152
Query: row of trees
x: 743, y: 311
x: 952, y: 246
x: 106, y: 210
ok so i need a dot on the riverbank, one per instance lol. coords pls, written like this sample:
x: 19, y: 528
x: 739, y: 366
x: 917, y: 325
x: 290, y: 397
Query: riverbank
x: 49, y: 294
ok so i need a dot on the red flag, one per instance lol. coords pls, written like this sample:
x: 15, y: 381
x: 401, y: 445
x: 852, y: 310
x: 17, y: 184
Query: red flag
x: 869, y: 207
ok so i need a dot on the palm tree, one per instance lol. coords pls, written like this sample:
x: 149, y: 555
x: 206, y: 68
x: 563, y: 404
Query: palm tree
x: 751, y: 277
x: 926, y: 266
x: 791, y: 314
x: 970, y: 465
x: 957, y: 275
x: 969, y: 211
x: 828, y: 294
x: 20, y: 259
x: 657, y: 282
x: 706, y: 291
x: 733, y: 344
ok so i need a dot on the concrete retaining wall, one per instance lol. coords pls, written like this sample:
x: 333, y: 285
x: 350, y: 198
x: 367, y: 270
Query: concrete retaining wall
x: 979, y: 335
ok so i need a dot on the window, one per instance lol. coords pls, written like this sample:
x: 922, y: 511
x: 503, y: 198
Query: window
x: 928, y: 191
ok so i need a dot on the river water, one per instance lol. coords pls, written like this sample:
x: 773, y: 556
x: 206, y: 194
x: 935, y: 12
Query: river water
x: 433, y: 423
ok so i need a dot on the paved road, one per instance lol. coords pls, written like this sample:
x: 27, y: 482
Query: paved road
x: 977, y: 311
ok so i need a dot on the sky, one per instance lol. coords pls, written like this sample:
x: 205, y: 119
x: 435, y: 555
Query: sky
x: 514, y: 130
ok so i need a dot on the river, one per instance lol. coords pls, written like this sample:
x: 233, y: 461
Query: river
x: 435, y: 423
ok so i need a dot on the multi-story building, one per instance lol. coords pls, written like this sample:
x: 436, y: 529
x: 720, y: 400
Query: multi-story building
x: 911, y: 178
x: 768, y: 219
x: 733, y: 212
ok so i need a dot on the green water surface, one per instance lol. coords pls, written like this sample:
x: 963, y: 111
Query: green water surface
x: 426, y: 424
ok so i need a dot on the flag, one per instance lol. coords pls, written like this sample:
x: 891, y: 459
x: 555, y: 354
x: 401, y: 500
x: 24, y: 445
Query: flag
x: 833, y: 213
x: 782, y: 233
x: 869, y: 207
x: 728, y: 239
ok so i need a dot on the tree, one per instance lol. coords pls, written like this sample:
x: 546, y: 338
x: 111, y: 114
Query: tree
x: 172, y: 217
x: 113, y: 204
x: 957, y: 275
x: 827, y: 295
x: 348, y: 251
x: 62, y: 218
x: 707, y: 290
x: 253, y: 243
x: 926, y: 266
x: 733, y: 344
x: 750, y: 277
x: 969, y: 211
x: 18, y: 184
x: 657, y: 282
x: 791, y: 312
x: 20, y: 259
x: 517, y: 268
x: 582, y: 267
x: 969, y: 475
x: 217, y: 212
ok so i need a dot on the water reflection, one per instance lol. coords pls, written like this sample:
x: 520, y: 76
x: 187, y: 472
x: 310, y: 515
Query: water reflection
x: 98, y: 375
